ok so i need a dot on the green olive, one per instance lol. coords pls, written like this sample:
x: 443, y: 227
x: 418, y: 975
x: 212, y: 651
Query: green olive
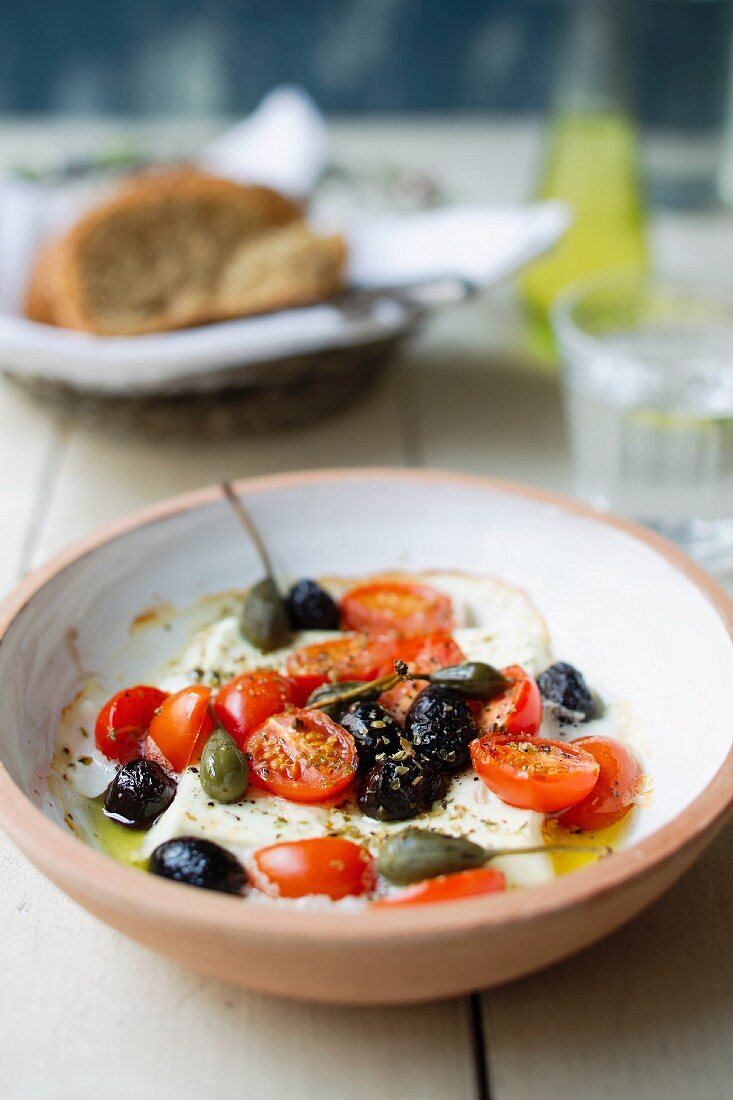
x: 223, y: 770
x: 264, y: 620
x: 472, y: 680
x: 416, y: 854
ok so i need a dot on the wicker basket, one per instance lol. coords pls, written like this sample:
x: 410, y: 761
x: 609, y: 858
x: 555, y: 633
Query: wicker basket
x: 297, y: 391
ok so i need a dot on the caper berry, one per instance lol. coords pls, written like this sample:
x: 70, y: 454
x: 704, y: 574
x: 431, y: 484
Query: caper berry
x: 139, y: 793
x: 374, y: 730
x: 399, y: 787
x: 440, y: 726
x: 264, y: 622
x: 563, y: 685
x: 472, y: 680
x: 223, y: 771
x: 325, y: 691
x: 311, y: 608
x: 199, y: 863
x: 416, y: 854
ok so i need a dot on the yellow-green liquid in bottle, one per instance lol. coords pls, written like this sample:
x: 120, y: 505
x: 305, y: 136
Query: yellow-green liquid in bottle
x: 591, y: 163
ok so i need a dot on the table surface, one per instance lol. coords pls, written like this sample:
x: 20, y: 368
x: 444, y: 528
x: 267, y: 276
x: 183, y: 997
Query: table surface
x: 85, y: 1012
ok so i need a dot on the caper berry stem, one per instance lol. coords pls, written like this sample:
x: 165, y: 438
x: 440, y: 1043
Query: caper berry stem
x: 264, y: 623
x: 544, y: 849
x: 472, y: 679
x: 249, y: 525
x: 369, y: 688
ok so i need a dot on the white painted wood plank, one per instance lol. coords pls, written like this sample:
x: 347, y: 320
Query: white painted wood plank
x: 87, y: 1013
x: 103, y: 476
x: 647, y: 1013
x: 483, y: 412
x: 27, y: 441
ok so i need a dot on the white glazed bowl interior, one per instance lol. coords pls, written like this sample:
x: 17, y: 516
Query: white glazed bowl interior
x: 638, y: 627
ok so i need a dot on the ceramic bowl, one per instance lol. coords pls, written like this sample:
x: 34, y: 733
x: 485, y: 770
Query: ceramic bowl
x: 638, y: 617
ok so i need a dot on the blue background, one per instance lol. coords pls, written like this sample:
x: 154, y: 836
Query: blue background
x: 219, y: 56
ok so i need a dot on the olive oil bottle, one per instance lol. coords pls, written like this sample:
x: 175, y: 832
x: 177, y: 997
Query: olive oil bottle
x: 590, y: 158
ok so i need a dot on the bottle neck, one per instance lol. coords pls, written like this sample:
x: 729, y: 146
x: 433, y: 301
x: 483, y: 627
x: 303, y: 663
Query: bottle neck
x: 594, y: 74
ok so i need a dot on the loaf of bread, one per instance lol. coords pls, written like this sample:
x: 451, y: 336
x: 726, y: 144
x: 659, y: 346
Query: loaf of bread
x: 182, y: 248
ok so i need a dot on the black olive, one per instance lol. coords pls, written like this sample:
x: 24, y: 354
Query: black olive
x: 311, y: 608
x: 374, y: 730
x: 564, y: 685
x: 440, y: 725
x: 139, y: 793
x: 199, y: 863
x: 399, y: 787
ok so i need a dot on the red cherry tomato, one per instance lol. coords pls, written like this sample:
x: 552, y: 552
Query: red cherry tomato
x: 326, y: 865
x: 302, y: 755
x: 181, y: 726
x: 461, y: 884
x: 426, y: 654
x: 535, y: 774
x: 402, y: 608
x: 124, y: 719
x: 348, y: 657
x: 614, y: 793
x: 152, y: 752
x: 518, y: 711
x: 247, y: 701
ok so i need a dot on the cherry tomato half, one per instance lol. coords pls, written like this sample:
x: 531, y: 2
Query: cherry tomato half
x: 326, y: 865
x: 461, y: 884
x: 124, y: 719
x: 245, y: 702
x: 518, y: 711
x: 614, y: 793
x: 181, y: 726
x: 402, y: 608
x: 348, y: 657
x: 535, y: 774
x: 302, y: 755
x: 426, y: 654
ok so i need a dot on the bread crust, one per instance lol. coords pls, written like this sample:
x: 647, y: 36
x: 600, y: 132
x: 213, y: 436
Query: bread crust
x: 56, y: 293
x: 40, y: 294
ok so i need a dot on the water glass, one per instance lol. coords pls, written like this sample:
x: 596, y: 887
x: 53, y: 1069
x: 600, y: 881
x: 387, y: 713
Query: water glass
x: 648, y: 377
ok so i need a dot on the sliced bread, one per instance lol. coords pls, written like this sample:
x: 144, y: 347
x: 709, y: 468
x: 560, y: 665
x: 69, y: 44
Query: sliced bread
x: 182, y: 248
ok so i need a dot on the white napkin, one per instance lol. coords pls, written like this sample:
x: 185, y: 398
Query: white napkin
x: 481, y: 244
x: 282, y: 144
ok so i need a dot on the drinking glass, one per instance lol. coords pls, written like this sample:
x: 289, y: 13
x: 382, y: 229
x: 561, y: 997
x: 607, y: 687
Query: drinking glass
x: 648, y: 377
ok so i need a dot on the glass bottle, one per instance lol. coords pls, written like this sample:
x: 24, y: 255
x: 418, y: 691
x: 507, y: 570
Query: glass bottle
x: 591, y: 158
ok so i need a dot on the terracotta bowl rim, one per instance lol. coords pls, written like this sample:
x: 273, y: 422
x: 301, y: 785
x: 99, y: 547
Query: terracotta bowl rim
x: 88, y: 873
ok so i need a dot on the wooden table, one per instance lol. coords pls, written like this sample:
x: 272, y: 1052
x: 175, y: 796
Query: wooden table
x: 85, y: 1013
